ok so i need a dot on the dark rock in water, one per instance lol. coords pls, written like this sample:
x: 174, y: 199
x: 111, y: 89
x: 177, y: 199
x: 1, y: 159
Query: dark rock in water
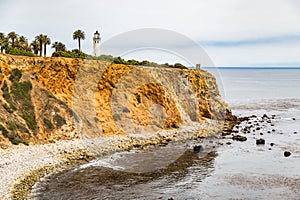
x: 273, y: 130
x: 198, y: 148
x: 226, y: 132
x: 253, y: 116
x: 293, y: 118
x: 295, y: 132
x: 287, y: 154
x: 272, y: 125
x: 269, y: 131
x: 228, y: 143
x: 239, y: 138
x: 241, y: 119
x: 270, y: 148
x: 258, y: 128
x: 261, y: 134
x: 273, y: 116
x: 272, y: 144
x: 260, y: 141
x: 170, y: 199
x: 265, y: 116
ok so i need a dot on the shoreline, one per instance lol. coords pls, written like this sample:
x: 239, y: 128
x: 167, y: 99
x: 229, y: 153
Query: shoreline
x: 19, y: 161
x: 22, y: 166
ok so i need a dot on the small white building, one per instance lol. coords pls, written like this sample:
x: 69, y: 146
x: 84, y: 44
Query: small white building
x: 96, y: 41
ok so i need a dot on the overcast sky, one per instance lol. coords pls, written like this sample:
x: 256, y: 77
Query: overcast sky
x: 232, y: 32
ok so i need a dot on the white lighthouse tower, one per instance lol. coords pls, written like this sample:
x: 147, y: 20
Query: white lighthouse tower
x: 96, y: 40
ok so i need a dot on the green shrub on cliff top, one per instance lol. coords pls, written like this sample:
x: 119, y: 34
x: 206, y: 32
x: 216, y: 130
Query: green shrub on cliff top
x: 108, y: 58
x: 70, y: 54
x: 19, y: 52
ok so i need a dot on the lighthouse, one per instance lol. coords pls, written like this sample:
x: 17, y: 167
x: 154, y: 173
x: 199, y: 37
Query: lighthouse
x: 96, y: 40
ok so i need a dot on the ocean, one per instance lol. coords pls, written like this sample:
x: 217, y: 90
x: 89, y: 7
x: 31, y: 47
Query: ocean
x: 223, y: 169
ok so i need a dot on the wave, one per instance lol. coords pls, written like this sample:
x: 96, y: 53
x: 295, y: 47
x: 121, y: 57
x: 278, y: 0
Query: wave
x: 266, y: 104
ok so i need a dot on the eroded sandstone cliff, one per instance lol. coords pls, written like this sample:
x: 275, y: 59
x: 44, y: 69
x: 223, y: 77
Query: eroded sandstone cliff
x: 48, y: 99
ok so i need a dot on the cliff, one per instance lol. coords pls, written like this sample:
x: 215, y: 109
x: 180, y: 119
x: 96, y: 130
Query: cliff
x: 48, y: 99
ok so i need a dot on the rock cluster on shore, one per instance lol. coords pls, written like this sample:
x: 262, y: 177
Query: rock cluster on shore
x: 254, y: 126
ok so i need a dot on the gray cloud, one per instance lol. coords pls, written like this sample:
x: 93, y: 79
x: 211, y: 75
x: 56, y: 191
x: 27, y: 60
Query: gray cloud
x: 200, y: 20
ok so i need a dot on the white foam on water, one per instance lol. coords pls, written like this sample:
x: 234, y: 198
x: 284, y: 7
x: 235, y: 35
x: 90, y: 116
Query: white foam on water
x: 105, y: 162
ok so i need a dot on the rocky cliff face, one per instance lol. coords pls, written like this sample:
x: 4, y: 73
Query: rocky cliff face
x: 48, y: 99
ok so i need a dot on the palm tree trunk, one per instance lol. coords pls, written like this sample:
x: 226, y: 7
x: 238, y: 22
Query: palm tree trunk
x: 79, y: 44
x: 41, y: 48
x: 13, y: 43
x: 45, y: 49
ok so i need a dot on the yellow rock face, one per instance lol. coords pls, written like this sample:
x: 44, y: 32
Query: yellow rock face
x: 58, y: 98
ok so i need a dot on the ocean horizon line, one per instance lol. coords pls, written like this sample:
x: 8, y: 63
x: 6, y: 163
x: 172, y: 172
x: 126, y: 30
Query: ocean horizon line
x: 251, y: 68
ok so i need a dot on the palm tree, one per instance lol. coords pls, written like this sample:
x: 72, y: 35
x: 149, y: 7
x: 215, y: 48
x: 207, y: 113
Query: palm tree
x: 12, y: 36
x: 59, y: 46
x: 3, y: 42
x: 22, y: 39
x: 40, y: 39
x: 2, y: 37
x: 43, y: 40
x: 21, y: 43
x: 79, y: 35
x: 35, y: 46
x: 46, y: 41
x: 55, y: 45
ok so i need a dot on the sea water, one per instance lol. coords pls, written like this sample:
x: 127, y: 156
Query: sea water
x: 223, y: 169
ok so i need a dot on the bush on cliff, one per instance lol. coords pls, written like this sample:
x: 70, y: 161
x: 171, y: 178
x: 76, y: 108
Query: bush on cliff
x: 70, y: 54
x: 20, y: 52
x: 108, y: 58
x: 16, y: 75
x: 13, y: 137
x: 179, y: 65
